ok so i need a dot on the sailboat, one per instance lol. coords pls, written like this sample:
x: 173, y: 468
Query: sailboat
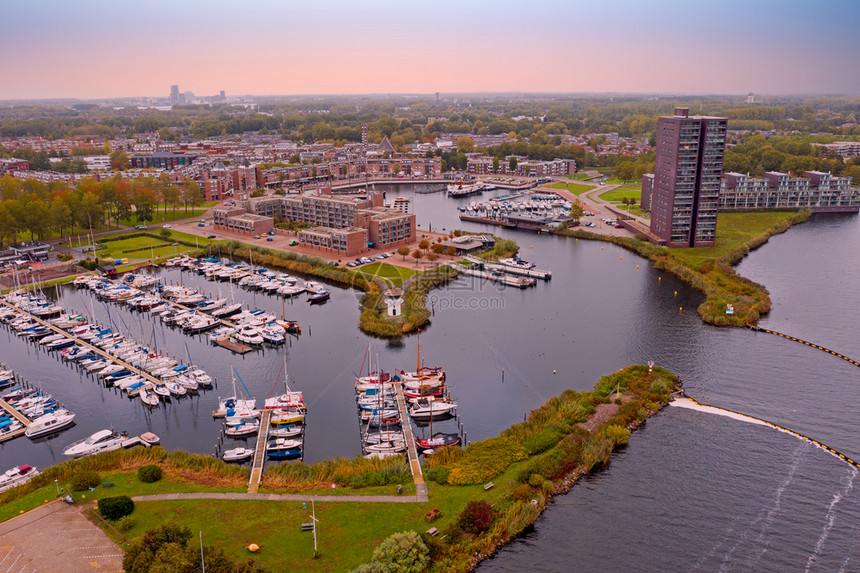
x: 290, y: 398
x: 232, y: 404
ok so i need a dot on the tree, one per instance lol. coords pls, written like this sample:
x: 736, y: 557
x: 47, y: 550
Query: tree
x: 61, y: 214
x: 424, y: 244
x: 170, y: 194
x: 402, y: 553
x: 119, y: 160
x: 451, y: 251
x: 437, y: 248
x: 512, y: 164
x: 191, y: 192
x: 7, y: 224
x: 417, y: 254
x: 466, y: 144
x: 495, y: 164
x: 144, y: 201
x: 403, y: 252
x: 432, y: 257
x: 576, y: 212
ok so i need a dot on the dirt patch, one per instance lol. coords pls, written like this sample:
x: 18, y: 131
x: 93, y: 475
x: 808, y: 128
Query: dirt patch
x: 602, y: 413
x: 41, y: 273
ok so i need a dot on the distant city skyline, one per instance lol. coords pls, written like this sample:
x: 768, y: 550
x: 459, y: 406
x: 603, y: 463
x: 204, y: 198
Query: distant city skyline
x: 101, y: 49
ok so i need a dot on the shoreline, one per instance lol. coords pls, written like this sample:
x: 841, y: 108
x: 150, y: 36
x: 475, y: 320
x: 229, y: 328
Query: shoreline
x: 717, y: 279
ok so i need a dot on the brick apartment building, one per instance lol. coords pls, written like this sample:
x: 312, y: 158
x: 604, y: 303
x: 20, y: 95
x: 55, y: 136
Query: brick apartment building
x: 818, y: 191
x: 686, y: 188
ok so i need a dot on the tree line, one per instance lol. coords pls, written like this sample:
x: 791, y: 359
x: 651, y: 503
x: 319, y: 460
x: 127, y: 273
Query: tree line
x: 41, y: 210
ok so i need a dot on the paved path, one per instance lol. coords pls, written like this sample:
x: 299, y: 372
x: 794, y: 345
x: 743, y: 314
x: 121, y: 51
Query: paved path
x: 56, y: 537
x: 279, y: 497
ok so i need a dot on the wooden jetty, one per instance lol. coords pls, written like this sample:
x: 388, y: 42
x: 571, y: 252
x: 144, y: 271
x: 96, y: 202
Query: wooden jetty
x: 260, y: 452
x: 411, y: 450
x: 231, y: 344
x: 533, y: 273
x: 18, y: 416
x: 142, y: 373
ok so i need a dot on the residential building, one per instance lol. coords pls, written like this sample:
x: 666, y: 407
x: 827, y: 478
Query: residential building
x: 238, y: 220
x: 820, y: 192
x: 647, y: 189
x: 163, y: 159
x: 686, y: 189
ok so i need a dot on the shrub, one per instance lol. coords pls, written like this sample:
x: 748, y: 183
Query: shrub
x: 484, y: 460
x: 438, y: 475
x: 165, y: 233
x: 114, y: 508
x: 149, y: 473
x: 542, y: 441
x: 521, y: 492
x: 615, y: 434
x: 402, y: 552
x: 85, y: 479
x: 125, y: 524
x: 476, y: 517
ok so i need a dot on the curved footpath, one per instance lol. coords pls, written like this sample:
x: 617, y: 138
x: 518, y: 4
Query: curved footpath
x: 281, y: 497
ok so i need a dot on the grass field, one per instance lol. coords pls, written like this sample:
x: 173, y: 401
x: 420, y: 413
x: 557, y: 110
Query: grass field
x: 391, y: 274
x: 619, y: 194
x: 733, y: 230
x: 150, y: 246
x: 575, y: 188
x: 165, y: 216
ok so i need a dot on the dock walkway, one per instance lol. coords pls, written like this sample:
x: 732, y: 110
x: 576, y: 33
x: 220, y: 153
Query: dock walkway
x: 18, y: 416
x: 412, y: 451
x: 142, y: 373
x: 260, y: 452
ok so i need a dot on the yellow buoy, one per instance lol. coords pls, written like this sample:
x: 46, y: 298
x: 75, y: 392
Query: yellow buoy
x: 621, y: 258
x: 680, y: 308
x: 601, y: 248
x: 676, y: 293
x: 637, y: 266
x: 659, y: 278
x: 253, y: 548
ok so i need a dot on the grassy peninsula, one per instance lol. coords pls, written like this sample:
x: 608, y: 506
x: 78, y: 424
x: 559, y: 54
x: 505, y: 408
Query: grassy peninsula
x: 527, y: 464
x: 709, y: 269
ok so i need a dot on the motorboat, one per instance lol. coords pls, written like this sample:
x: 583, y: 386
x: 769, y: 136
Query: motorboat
x: 319, y: 297
x: 242, y: 430
x: 220, y: 333
x: 101, y: 441
x: 425, y: 410
x: 281, y: 444
x: 149, y: 439
x: 16, y: 476
x: 286, y: 416
x: 176, y: 388
x: 249, y: 335
x: 287, y: 431
x: 148, y: 397
x: 237, y: 455
x: 50, y: 423
x: 161, y: 390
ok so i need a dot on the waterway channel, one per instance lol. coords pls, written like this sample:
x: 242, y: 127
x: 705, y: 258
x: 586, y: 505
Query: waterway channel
x: 691, y: 490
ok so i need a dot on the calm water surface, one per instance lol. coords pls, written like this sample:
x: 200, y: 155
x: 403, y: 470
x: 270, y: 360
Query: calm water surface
x: 690, y: 491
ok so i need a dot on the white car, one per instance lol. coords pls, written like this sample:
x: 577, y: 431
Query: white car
x: 166, y: 226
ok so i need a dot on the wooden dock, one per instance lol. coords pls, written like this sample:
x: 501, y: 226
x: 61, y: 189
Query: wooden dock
x: 231, y: 344
x: 146, y: 375
x: 260, y: 452
x: 411, y: 450
x: 18, y: 416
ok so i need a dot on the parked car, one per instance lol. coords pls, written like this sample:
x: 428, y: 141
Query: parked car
x: 140, y: 226
x: 166, y: 226
x: 271, y: 233
x: 256, y: 237
x: 201, y: 224
x: 293, y: 243
x: 210, y: 236
x: 269, y: 239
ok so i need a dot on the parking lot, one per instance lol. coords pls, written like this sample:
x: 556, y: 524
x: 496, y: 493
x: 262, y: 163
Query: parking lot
x: 56, y: 537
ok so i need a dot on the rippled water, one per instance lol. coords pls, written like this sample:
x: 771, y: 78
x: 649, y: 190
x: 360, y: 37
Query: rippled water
x: 690, y: 491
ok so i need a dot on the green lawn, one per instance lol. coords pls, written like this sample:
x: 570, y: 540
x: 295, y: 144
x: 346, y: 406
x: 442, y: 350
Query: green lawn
x: 575, y: 188
x: 125, y: 483
x: 616, y: 181
x: 619, y: 194
x: 151, y: 246
x: 391, y: 274
x: 733, y: 230
x: 165, y: 216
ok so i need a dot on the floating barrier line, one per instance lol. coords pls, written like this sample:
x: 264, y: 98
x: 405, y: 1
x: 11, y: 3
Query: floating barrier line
x: 807, y: 343
x: 785, y: 430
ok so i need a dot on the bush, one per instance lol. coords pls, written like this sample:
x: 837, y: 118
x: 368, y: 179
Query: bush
x: 149, y: 474
x: 476, y: 517
x: 114, y: 508
x: 402, y: 552
x: 165, y: 233
x: 85, y: 479
x: 438, y: 475
x: 125, y: 524
x: 521, y: 492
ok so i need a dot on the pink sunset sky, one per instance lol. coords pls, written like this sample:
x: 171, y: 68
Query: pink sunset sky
x: 97, y: 49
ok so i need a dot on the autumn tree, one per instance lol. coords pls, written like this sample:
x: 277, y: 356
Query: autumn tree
x: 403, y: 252
x: 437, y: 248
